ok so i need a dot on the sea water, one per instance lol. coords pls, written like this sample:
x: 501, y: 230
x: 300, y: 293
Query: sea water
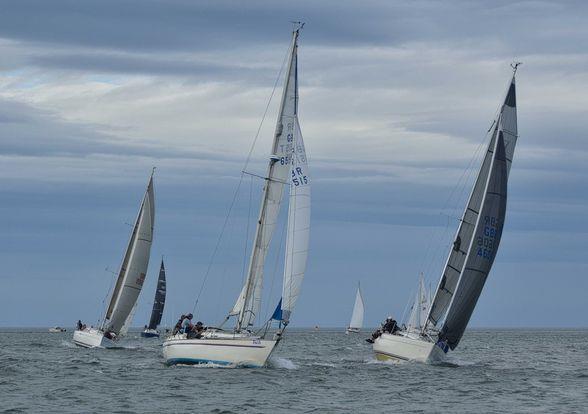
x: 311, y: 371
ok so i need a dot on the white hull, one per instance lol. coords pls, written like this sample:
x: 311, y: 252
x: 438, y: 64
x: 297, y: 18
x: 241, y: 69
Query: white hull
x: 406, y: 347
x: 57, y: 330
x: 92, y: 338
x: 225, y: 350
x: 352, y: 330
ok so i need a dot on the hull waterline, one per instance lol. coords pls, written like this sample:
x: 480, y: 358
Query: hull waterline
x: 227, y: 352
x: 406, y: 348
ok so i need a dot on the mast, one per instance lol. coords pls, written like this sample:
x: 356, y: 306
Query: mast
x: 484, y: 212
x: 248, y: 303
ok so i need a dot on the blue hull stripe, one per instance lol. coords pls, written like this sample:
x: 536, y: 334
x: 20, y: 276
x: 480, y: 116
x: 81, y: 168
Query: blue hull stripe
x: 197, y: 361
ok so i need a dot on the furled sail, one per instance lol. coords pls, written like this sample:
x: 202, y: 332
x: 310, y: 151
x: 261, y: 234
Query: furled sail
x: 248, y: 303
x: 358, y: 310
x: 478, y: 235
x: 134, y: 267
x: 159, y: 301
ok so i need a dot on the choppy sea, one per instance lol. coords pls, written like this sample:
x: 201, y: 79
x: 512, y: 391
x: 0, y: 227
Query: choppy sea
x: 326, y: 371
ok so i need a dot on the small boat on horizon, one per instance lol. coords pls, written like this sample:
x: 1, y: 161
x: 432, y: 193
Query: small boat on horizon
x: 470, y: 258
x: 356, y: 322
x: 57, y: 329
x: 242, y: 346
x: 150, y: 330
x: 123, y: 301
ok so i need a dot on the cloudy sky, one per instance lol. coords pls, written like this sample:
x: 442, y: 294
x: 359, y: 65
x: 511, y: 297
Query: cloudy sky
x: 395, y: 101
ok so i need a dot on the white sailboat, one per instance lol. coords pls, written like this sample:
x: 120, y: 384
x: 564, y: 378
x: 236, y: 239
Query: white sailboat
x: 131, y: 276
x: 356, y: 322
x: 287, y: 167
x: 471, y: 256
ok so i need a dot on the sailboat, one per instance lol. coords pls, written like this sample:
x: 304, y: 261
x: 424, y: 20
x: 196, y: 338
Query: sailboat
x: 473, y: 252
x: 131, y: 276
x: 158, y: 305
x: 356, y: 322
x: 287, y: 167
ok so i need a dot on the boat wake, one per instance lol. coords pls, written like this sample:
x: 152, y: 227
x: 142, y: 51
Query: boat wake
x: 283, y: 363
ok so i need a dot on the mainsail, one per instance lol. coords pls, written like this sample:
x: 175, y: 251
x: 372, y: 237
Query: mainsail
x: 159, y: 301
x: 134, y: 267
x: 280, y: 167
x: 478, y: 235
x: 358, y: 311
x: 420, y: 307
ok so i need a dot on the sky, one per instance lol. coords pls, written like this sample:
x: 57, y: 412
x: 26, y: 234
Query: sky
x: 395, y: 101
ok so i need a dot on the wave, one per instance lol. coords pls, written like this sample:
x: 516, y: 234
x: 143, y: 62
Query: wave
x: 277, y: 362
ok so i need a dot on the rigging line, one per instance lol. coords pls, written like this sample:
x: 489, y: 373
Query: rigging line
x: 240, y: 181
x: 217, y: 245
x: 224, y: 274
x: 244, y: 269
x: 265, y: 111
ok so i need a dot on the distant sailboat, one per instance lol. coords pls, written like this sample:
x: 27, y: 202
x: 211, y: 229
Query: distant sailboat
x: 158, y: 306
x: 131, y: 276
x: 57, y: 329
x: 356, y: 322
x: 287, y: 168
x: 471, y: 256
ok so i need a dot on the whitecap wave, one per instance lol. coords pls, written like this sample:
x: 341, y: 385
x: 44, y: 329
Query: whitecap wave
x: 284, y: 363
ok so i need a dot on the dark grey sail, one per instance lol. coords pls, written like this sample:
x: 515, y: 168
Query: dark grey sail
x: 482, y: 250
x: 479, y: 232
x: 159, y: 302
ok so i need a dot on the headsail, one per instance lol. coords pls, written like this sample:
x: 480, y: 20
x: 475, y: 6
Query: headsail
x: 249, y: 300
x: 134, y: 266
x: 478, y: 236
x: 298, y: 233
x: 358, y: 311
x: 159, y: 301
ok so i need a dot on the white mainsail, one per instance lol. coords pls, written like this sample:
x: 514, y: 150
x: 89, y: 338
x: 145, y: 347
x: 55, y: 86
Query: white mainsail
x: 420, y: 307
x: 285, y: 153
x: 133, y: 269
x: 480, y: 230
x: 358, y: 311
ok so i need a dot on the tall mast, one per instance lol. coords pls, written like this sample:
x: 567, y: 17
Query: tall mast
x: 277, y: 174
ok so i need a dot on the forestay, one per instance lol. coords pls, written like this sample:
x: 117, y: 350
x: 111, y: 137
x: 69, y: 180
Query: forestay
x: 358, y: 311
x: 479, y: 232
x: 134, y: 267
x: 159, y: 301
x: 248, y: 303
